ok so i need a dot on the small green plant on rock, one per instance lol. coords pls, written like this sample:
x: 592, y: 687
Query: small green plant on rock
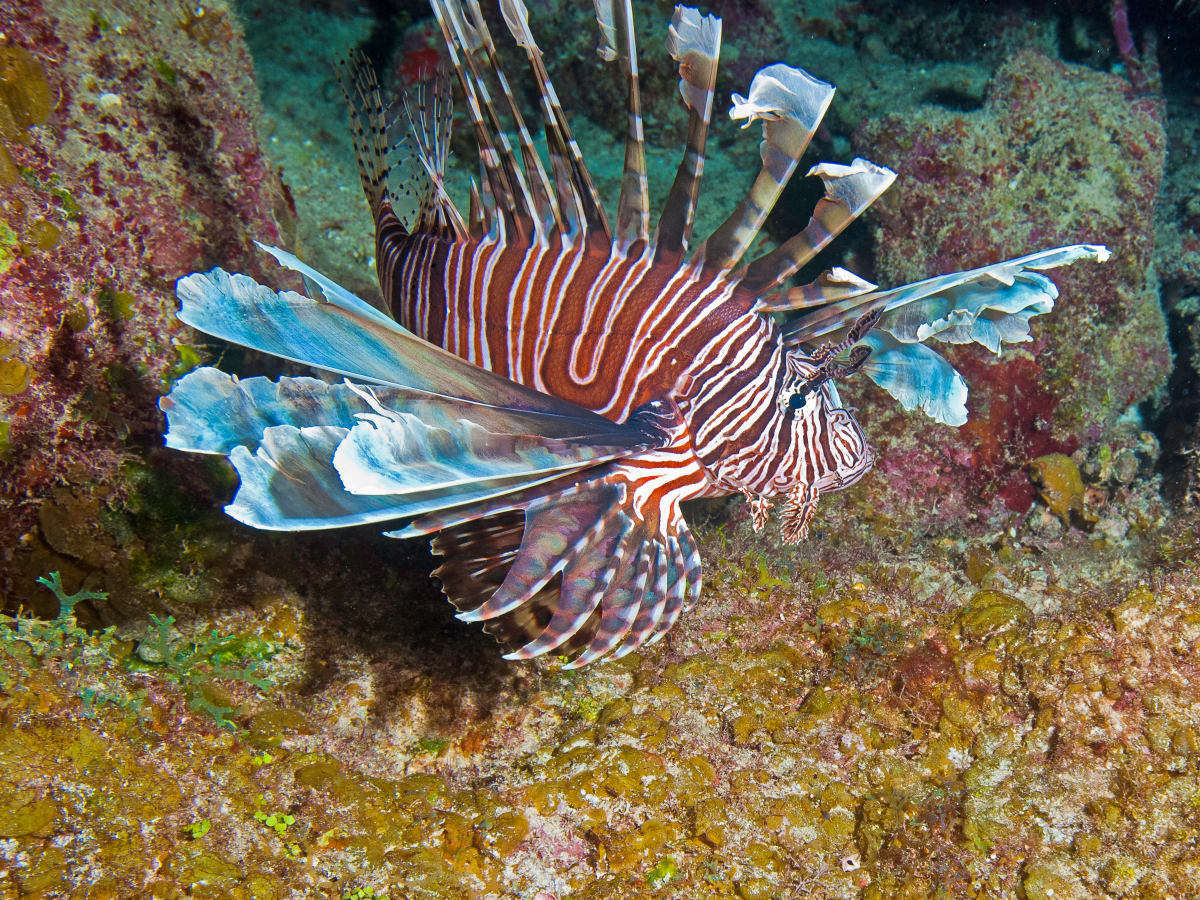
x: 197, y: 830
x: 60, y: 637
x: 278, y: 822
x: 663, y: 872
x: 193, y: 664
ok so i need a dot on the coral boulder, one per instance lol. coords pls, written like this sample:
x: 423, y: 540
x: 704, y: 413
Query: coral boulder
x: 1058, y: 154
x: 128, y: 157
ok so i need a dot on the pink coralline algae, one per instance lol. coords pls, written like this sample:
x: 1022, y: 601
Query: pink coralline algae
x: 144, y: 165
x: 1058, y: 154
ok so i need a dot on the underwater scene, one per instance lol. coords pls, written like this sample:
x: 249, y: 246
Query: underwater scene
x: 547, y: 450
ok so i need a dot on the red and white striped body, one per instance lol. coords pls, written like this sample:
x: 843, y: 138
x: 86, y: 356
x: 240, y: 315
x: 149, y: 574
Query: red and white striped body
x: 611, y: 331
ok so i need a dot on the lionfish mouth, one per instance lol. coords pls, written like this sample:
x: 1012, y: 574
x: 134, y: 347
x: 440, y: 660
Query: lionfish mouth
x: 525, y: 409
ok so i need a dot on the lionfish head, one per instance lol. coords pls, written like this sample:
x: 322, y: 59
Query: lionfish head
x: 826, y: 440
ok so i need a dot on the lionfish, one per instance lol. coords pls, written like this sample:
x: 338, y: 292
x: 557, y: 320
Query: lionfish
x: 552, y: 385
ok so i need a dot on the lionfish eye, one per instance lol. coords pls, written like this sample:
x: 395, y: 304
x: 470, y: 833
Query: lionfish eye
x: 797, y: 400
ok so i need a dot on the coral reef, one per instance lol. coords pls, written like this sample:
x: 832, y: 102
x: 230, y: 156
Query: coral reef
x: 1057, y: 154
x: 933, y: 694
x: 971, y: 716
x: 1179, y: 207
x: 129, y: 157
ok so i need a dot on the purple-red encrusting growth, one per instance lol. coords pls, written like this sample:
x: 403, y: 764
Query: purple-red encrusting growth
x: 147, y: 167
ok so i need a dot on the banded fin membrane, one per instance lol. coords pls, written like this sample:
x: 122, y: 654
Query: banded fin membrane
x: 790, y: 103
x: 567, y: 568
x: 694, y: 41
x: 990, y: 306
x: 432, y: 432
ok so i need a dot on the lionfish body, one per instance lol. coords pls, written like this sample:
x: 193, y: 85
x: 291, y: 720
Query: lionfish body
x: 558, y: 385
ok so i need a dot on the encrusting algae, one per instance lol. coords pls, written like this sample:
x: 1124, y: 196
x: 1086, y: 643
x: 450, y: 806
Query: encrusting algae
x: 777, y: 747
x: 25, y: 97
x: 961, y: 703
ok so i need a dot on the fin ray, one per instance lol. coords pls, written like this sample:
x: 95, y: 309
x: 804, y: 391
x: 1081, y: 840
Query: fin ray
x: 615, y: 18
x: 578, y: 189
x: 694, y: 41
x: 791, y: 104
x: 849, y: 190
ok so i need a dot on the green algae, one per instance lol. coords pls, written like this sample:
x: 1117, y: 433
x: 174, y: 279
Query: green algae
x: 164, y: 69
x: 664, y: 871
x: 14, y: 376
x: 197, y: 830
x: 193, y: 664
x: 10, y: 245
x: 119, y: 304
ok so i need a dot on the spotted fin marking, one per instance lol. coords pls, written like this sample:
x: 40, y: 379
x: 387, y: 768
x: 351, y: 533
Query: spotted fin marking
x: 428, y: 109
x: 368, y: 129
x: 403, y: 175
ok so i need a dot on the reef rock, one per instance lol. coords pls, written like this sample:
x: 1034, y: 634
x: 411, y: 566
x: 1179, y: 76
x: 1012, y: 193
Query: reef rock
x: 1058, y: 154
x: 128, y: 157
